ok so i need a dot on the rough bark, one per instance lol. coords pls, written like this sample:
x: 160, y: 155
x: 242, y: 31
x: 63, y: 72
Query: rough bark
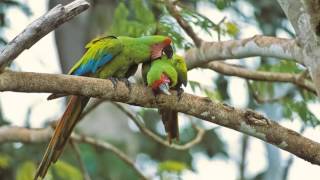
x: 242, y: 120
x: 305, y: 19
x: 235, y: 49
x: 39, y: 28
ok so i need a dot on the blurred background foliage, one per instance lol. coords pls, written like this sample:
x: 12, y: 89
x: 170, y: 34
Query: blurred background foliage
x: 147, y: 17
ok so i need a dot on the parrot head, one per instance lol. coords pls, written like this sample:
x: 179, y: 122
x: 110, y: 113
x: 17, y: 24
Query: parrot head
x: 162, y: 84
x: 160, y: 45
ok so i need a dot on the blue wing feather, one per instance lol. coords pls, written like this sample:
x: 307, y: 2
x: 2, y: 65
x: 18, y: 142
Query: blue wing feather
x: 92, y: 65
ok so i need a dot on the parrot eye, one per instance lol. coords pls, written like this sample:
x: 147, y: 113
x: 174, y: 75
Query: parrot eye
x: 168, y: 50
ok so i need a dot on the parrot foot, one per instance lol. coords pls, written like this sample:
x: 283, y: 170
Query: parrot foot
x: 114, y: 82
x: 127, y: 83
x: 179, y: 93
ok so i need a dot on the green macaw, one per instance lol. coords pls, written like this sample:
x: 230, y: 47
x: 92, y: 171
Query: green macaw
x: 106, y: 57
x: 162, y: 75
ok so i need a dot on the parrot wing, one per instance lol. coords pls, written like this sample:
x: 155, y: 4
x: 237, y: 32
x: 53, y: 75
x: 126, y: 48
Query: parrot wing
x: 100, y: 51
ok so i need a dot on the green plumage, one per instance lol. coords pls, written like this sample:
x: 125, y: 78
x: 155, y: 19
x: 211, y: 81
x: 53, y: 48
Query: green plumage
x: 176, y: 70
x: 105, y: 57
x: 159, y: 67
x: 125, y: 52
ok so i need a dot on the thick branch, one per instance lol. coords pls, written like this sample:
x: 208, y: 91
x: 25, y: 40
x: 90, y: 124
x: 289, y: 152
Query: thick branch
x: 236, y: 49
x: 305, y: 19
x: 242, y: 120
x: 230, y: 70
x: 39, y: 28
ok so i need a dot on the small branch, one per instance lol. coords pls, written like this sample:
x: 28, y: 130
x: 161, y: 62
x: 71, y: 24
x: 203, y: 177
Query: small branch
x: 39, y: 28
x: 297, y: 79
x: 25, y: 135
x: 109, y: 147
x: 243, y: 161
x: 153, y: 136
x: 184, y: 24
x: 242, y: 120
x: 91, y: 107
x: 236, y: 49
x: 83, y: 168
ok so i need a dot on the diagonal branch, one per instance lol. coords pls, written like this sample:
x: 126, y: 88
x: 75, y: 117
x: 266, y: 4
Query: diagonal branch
x: 85, y: 173
x: 184, y: 24
x: 297, y: 79
x: 109, y: 147
x: 242, y: 120
x: 39, y: 28
x: 153, y: 136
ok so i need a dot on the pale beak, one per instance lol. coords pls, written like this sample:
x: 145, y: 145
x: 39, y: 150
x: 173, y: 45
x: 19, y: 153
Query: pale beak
x: 164, y: 88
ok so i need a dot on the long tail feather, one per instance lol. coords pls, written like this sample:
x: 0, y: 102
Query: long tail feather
x: 62, y: 133
x: 170, y: 121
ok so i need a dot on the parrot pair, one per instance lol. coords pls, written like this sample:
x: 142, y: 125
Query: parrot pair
x: 162, y: 75
x: 110, y: 57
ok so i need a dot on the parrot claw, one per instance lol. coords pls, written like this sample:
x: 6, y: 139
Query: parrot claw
x: 179, y: 93
x: 114, y: 82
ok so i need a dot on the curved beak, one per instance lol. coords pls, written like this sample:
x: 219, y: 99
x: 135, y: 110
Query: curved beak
x: 168, y: 50
x: 164, y: 88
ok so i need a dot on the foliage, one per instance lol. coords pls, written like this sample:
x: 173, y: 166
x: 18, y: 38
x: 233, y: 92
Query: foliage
x: 172, y: 166
x: 26, y: 171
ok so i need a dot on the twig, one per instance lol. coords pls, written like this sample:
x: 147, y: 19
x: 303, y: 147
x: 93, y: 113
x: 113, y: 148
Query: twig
x: 83, y: 168
x: 39, y: 28
x: 187, y: 28
x: 109, y: 147
x: 261, y: 100
x: 297, y: 79
x: 91, y: 107
x: 243, y: 162
x: 158, y: 139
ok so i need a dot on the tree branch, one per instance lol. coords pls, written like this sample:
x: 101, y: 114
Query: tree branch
x: 242, y: 120
x: 297, y: 79
x: 85, y: 173
x: 153, y: 136
x: 39, y: 28
x: 184, y: 24
x: 235, y: 49
x: 109, y: 147
x: 25, y: 135
x: 305, y: 19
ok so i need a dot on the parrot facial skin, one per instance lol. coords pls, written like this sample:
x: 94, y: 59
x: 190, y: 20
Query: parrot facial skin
x: 106, y: 57
x: 162, y: 75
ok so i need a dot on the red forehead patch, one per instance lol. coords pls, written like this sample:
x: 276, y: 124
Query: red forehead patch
x: 167, y: 41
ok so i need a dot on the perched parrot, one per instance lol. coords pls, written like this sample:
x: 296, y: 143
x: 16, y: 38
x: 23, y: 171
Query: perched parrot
x: 106, y: 57
x: 162, y: 75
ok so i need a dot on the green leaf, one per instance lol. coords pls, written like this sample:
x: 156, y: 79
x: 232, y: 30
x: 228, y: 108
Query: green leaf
x: 4, y: 161
x: 26, y: 171
x: 172, y: 166
x: 232, y: 29
x: 66, y: 171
